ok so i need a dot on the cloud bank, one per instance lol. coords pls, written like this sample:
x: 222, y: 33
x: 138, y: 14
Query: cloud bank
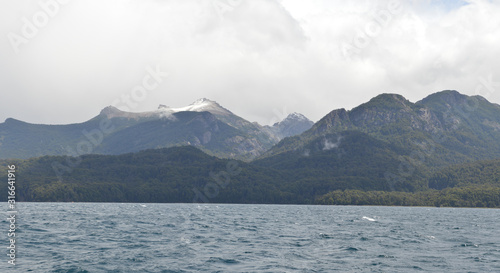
x: 253, y: 57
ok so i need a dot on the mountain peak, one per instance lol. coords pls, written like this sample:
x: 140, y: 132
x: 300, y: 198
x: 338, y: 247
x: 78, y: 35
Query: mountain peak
x: 199, y: 105
x: 386, y: 102
x: 447, y: 96
x: 294, y: 124
x: 296, y: 116
x: 338, y: 118
x: 202, y: 101
x: 113, y: 112
x: 389, y: 97
x: 110, y: 111
x: 12, y: 120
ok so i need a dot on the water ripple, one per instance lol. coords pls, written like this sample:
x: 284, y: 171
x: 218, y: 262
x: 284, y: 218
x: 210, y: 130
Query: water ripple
x: 86, y: 237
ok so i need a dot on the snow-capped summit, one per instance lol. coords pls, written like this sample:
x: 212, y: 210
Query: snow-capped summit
x: 163, y: 111
x: 296, y: 116
x: 293, y: 118
x: 201, y: 101
x: 294, y: 124
x: 199, y: 105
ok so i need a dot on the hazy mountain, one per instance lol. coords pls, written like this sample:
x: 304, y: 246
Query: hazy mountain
x: 204, y: 124
x: 293, y: 124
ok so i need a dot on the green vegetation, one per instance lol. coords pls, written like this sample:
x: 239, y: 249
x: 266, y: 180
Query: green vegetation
x: 472, y: 196
x: 476, y: 173
x: 461, y: 129
x: 161, y: 175
x: 177, y: 174
x: 440, y: 151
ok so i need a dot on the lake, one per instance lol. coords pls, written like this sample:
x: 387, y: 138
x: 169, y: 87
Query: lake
x: 112, y: 237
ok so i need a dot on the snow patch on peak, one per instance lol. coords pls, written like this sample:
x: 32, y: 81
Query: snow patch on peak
x: 166, y: 112
x: 201, y: 101
x: 293, y: 117
x: 296, y: 116
x: 199, y: 105
x: 294, y: 124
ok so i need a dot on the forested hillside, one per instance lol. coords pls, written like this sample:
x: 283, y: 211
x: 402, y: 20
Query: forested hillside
x: 186, y: 174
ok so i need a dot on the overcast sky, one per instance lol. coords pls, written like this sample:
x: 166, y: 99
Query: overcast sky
x: 261, y: 59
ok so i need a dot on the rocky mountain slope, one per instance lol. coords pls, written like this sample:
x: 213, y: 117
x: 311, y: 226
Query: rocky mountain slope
x: 443, y: 128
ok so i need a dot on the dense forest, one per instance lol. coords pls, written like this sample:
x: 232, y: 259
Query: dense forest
x: 471, y: 196
x: 186, y: 174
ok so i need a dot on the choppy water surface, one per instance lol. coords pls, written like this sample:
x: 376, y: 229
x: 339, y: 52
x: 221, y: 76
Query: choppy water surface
x: 89, y: 237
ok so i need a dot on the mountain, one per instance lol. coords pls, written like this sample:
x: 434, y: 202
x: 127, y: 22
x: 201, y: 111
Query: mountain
x: 204, y: 124
x: 345, y: 160
x: 440, y: 151
x: 293, y: 124
x: 391, y: 144
x: 442, y: 129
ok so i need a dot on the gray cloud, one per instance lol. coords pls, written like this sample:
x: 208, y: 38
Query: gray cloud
x: 255, y: 57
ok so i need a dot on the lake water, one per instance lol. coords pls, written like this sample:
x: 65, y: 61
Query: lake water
x: 106, y: 237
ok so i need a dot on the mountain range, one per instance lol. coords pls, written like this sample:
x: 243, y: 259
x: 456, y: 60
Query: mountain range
x: 386, y: 151
x: 203, y: 124
x: 447, y: 126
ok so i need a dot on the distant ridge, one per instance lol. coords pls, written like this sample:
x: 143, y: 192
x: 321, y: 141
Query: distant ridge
x: 469, y: 126
x: 204, y: 124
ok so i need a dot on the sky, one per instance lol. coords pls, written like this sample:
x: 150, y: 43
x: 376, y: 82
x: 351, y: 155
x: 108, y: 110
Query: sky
x: 62, y: 61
